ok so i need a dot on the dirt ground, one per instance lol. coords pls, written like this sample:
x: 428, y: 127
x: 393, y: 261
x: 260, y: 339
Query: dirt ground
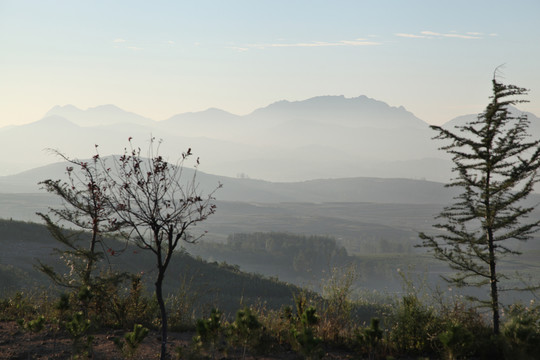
x: 48, y: 345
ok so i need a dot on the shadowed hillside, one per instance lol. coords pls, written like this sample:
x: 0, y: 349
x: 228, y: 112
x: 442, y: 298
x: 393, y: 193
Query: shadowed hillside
x: 215, y: 284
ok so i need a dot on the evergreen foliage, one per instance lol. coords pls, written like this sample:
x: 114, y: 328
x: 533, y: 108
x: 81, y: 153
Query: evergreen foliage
x: 496, y: 166
x: 83, y: 246
x: 246, y: 329
x: 84, y: 197
x: 210, y: 332
x: 132, y: 340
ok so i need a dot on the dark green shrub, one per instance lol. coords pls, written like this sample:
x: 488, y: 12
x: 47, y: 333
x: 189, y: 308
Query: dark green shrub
x: 210, y: 333
x: 369, y: 339
x: 522, y: 332
x: 464, y: 333
x: 458, y: 341
x: 35, y: 325
x: 131, y: 341
x: 62, y: 304
x: 416, y: 327
x: 78, y: 329
x: 307, y: 343
x: 18, y: 306
x: 246, y: 330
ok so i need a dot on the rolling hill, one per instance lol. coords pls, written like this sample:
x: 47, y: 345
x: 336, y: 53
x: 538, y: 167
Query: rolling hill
x: 358, y: 189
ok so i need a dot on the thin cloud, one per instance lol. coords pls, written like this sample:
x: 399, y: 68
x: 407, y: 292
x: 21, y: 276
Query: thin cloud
x: 430, y: 33
x: 458, y: 36
x: 426, y: 34
x: 412, y: 36
x: 119, y: 40
x: 237, y: 48
x: 355, y: 42
x: 450, y: 35
x: 359, y: 42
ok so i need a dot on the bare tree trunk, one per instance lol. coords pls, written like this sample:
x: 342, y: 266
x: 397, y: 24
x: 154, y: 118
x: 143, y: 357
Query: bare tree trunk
x: 161, y: 303
x: 90, y: 263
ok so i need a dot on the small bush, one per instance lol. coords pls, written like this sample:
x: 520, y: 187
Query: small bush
x: 131, y: 341
x: 245, y: 331
x: 369, y: 339
x: 336, y: 322
x: 210, y: 334
x: 464, y: 333
x: 78, y: 329
x: 416, y: 327
x: 522, y: 332
x: 133, y: 306
x: 182, y: 306
x: 307, y: 343
x: 458, y: 341
x: 18, y: 306
x: 35, y: 325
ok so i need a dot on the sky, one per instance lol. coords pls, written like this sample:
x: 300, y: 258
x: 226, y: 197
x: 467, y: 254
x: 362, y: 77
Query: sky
x: 161, y: 58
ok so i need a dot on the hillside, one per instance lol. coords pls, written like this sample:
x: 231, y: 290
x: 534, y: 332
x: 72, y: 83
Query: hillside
x: 215, y: 284
x: 358, y: 189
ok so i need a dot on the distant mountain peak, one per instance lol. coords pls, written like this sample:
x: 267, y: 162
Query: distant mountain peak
x: 211, y: 110
x: 107, y: 114
x: 62, y: 108
x: 53, y: 120
x: 355, y: 111
x: 214, y: 109
x: 514, y: 111
x: 329, y: 100
x: 106, y: 107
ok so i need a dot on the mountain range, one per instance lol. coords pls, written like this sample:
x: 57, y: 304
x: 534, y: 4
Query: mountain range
x: 319, y: 138
x: 356, y: 169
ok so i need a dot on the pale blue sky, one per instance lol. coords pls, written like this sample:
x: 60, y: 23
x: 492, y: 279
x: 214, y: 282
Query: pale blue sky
x: 160, y: 58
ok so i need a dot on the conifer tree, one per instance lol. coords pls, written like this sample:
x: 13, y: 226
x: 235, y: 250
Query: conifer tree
x: 497, y: 167
x: 80, y: 225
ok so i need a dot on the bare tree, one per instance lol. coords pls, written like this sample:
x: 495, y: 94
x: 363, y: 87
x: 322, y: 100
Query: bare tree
x: 157, y: 203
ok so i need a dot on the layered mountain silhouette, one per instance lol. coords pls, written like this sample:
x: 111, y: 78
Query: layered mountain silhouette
x: 98, y: 116
x: 318, y: 138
